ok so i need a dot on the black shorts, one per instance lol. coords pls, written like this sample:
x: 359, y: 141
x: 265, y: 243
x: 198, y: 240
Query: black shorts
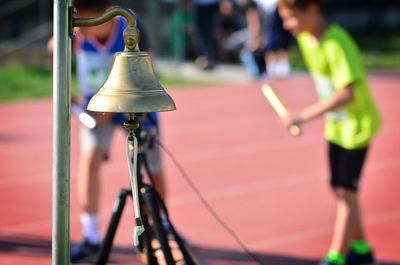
x: 346, y: 166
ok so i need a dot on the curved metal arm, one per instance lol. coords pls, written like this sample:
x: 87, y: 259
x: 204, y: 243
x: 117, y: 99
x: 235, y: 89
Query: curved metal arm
x: 108, y: 15
x: 131, y: 33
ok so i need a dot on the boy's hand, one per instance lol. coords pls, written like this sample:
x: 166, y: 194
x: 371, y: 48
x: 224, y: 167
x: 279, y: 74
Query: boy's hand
x: 291, y: 119
x: 292, y: 122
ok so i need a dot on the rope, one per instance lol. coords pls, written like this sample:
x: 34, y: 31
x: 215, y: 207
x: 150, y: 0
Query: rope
x: 138, y: 229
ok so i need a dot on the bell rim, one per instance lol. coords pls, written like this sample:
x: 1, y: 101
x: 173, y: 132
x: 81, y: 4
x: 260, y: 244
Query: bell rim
x: 132, y: 53
x: 105, y: 103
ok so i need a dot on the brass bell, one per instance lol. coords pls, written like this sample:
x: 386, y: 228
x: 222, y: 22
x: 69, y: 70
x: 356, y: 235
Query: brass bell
x: 131, y: 87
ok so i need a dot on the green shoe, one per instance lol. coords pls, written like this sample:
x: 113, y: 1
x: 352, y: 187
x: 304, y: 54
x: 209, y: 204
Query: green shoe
x: 333, y: 258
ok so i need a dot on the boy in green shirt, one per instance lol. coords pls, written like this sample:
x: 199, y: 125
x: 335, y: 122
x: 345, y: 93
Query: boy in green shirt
x: 352, y: 119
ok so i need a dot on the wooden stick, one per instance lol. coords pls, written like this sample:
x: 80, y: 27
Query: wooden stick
x: 279, y: 106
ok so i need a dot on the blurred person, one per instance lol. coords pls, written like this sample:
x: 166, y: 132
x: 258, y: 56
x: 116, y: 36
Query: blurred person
x: 251, y: 53
x: 94, y: 48
x: 225, y: 23
x: 276, y: 50
x: 204, y: 11
x: 351, y: 119
x: 183, y: 31
x: 268, y: 35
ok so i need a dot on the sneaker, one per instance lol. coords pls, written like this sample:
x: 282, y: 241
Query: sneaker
x: 85, y: 252
x: 354, y: 258
x: 333, y: 258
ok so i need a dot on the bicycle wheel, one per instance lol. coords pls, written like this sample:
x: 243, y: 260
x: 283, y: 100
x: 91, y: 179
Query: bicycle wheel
x: 159, y: 232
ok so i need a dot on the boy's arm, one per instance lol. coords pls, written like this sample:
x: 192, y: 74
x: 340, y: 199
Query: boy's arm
x: 340, y: 98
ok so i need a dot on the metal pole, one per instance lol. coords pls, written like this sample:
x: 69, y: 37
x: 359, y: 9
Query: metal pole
x: 61, y: 133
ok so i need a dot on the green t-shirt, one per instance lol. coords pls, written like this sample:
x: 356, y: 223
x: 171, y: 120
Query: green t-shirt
x: 334, y: 63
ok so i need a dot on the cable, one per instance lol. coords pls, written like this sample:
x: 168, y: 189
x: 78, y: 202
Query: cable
x: 208, y: 206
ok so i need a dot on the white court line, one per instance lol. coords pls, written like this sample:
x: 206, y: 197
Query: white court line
x: 245, y: 149
x: 229, y: 191
x: 238, y: 189
x: 235, y: 190
x: 253, y: 148
x: 202, y: 155
x: 41, y: 224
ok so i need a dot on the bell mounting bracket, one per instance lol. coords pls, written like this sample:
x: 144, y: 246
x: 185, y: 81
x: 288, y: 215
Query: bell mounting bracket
x: 131, y: 33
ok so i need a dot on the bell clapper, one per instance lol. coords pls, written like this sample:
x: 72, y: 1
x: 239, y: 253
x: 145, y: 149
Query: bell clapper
x: 131, y: 125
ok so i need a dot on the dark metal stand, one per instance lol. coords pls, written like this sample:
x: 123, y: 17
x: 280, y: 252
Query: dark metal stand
x: 153, y: 202
x: 118, y: 208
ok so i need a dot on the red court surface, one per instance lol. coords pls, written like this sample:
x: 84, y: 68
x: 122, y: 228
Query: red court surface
x: 269, y: 187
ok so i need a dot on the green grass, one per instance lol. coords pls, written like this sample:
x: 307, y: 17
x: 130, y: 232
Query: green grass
x: 380, y: 51
x: 177, y: 81
x: 19, y: 82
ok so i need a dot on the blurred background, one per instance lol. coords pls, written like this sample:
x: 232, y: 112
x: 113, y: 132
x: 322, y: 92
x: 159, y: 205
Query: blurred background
x: 26, y: 25
x: 250, y: 173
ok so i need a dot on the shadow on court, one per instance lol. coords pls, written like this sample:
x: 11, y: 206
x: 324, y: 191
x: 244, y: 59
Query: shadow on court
x: 41, y: 246
x: 211, y: 255
x: 26, y: 245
